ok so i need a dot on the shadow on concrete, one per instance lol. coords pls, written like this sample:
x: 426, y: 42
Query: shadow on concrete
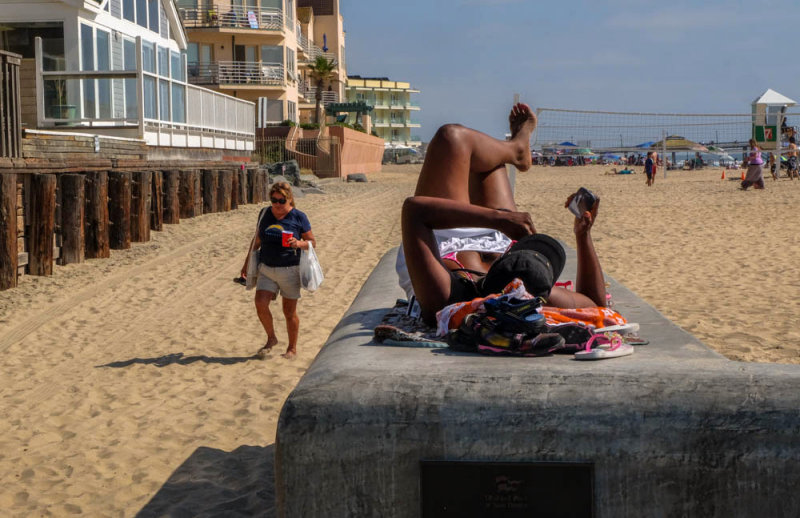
x: 213, y: 482
x: 180, y: 359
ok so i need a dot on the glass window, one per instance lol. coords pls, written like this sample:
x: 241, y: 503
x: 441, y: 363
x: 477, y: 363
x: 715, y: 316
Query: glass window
x: 141, y: 13
x: 87, y: 63
x: 163, y: 62
x: 128, y: 11
x: 163, y: 99
x: 272, y: 54
x: 129, y: 62
x: 149, y: 95
x: 176, y: 66
x: 290, y: 13
x: 290, y: 62
x: 148, y: 57
x: 104, y: 63
x: 153, y: 12
x: 178, y: 103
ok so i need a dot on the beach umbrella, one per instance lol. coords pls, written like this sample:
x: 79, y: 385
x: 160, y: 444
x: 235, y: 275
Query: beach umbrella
x: 645, y: 145
x: 609, y: 156
x: 678, y: 143
x: 584, y: 151
x: 568, y: 144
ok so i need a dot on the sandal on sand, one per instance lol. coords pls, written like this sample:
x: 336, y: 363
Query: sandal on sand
x: 605, y: 346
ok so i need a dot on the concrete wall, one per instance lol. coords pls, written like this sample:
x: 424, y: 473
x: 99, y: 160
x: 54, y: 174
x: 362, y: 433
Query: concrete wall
x: 361, y: 153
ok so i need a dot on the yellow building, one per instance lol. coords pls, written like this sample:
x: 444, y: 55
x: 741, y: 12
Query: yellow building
x: 393, y: 115
x: 259, y: 50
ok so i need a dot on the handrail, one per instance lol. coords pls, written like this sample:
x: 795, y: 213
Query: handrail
x: 233, y: 17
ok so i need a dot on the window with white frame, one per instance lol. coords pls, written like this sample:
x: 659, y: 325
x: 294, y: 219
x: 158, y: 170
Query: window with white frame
x: 290, y: 64
x: 95, y: 47
x: 292, y: 110
x: 146, y: 13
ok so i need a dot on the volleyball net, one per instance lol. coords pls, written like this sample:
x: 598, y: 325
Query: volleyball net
x: 623, y: 132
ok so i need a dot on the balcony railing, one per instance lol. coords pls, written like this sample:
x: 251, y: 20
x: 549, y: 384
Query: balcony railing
x: 232, y: 17
x: 310, y: 94
x: 310, y: 52
x: 237, y: 73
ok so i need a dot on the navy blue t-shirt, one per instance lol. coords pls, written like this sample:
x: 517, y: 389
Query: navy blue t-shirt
x: 272, y: 253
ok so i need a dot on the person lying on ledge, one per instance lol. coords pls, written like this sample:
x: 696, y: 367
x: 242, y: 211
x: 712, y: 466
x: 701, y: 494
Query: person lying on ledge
x: 463, y: 183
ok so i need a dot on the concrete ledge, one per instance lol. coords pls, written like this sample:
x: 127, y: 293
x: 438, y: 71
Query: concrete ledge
x: 674, y: 430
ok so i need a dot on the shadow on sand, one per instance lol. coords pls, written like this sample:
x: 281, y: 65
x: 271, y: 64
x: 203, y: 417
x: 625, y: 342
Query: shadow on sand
x: 178, y: 358
x: 213, y: 482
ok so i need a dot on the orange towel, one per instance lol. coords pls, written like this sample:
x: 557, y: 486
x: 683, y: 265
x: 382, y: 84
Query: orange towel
x: 596, y: 316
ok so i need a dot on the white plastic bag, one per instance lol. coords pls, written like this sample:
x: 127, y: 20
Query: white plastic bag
x: 310, y: 270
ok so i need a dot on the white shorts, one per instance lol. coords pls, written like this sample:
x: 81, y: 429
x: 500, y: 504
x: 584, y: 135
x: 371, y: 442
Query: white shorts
x: 279, y: 279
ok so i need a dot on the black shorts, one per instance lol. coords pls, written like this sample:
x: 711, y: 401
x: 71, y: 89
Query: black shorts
x: 649, y: 175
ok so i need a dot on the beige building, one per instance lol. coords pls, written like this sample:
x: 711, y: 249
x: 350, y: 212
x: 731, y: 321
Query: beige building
x: 259, y: 50
x: 394, y: 112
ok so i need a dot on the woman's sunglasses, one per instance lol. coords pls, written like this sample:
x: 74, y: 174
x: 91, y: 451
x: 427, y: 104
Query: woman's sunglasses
x: 280, y: 201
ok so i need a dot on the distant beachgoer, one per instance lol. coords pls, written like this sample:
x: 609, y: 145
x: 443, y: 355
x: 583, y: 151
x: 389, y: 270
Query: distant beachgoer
x: 772, y: 169
x: 792, y: 160
x: 463, y: 183
x: 279, y: 259
x: 755, y: 168
x: 650, y: 168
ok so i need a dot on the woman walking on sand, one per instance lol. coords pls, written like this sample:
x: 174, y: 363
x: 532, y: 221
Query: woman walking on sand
x: 282, y: 232
x: 755, y: 168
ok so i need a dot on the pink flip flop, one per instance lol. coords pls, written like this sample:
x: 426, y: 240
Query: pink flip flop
x: 609, y: 345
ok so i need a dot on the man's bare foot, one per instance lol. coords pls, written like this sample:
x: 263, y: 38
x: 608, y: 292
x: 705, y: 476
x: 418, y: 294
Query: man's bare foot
x: 522, y: 122
x: 271, y: 342
x: 289, y: 354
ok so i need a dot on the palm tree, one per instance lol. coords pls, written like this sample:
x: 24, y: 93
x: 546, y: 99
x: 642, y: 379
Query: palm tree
x: 321, y: 71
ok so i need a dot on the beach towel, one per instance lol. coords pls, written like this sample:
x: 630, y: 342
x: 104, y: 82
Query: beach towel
x: 597, y: 317
x: 399, y: 329
x: 451, y: 317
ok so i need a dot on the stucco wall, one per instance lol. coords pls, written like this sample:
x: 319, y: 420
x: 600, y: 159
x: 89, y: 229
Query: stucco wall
x: 361, y: 153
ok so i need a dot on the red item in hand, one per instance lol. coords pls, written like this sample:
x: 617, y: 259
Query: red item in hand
x: 285, y: 237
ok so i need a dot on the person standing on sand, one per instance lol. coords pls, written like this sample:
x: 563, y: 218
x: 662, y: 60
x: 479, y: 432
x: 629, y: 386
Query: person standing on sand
x: 792, y: 161
x: 650, y: 168
x: 279, y: 260
x: 755, y: 168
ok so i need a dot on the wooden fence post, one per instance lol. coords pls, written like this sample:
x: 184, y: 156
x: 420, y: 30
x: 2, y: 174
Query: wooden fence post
x: 235, y: 192
x: 119, y: 209
x: 8, y: 231
x: 73, y: 209
x: 97, y: 228
x: 157, y: 202
x: 210, y: 190
x: 140, y: 206
x: 172, y: 211
x: 42, y: 217
x: 253, y: 195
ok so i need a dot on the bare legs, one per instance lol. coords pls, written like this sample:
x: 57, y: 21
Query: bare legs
x: 469, y: 166
x: 262, y: 300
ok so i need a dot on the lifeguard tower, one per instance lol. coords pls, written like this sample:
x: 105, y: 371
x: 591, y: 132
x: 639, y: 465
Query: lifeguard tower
x: 769, y: 119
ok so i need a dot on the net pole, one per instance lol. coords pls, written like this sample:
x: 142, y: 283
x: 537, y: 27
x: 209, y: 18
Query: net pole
x: 664, y: 151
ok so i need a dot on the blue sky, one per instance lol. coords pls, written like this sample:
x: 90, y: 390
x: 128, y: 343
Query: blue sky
x: 469, y: 57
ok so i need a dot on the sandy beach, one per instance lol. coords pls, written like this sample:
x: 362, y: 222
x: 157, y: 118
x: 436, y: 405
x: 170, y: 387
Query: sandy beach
x: 129, y: 384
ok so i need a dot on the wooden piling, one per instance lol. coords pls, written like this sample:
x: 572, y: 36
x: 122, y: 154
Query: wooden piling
x: 186, y: 194
x: 210, y: 190
x: 234, y: 189
x: 243, y: 198
x: 197, y: 178
x: 253, y: 195
x: 225, y: 186
x: 141, y: 183
x: 73, y: 209
x: 172, y: 181
x: 42, y: 218
x: 119, y: 209
x: 8, y: 231
x: 97, y: 228
x: 157, y: 202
